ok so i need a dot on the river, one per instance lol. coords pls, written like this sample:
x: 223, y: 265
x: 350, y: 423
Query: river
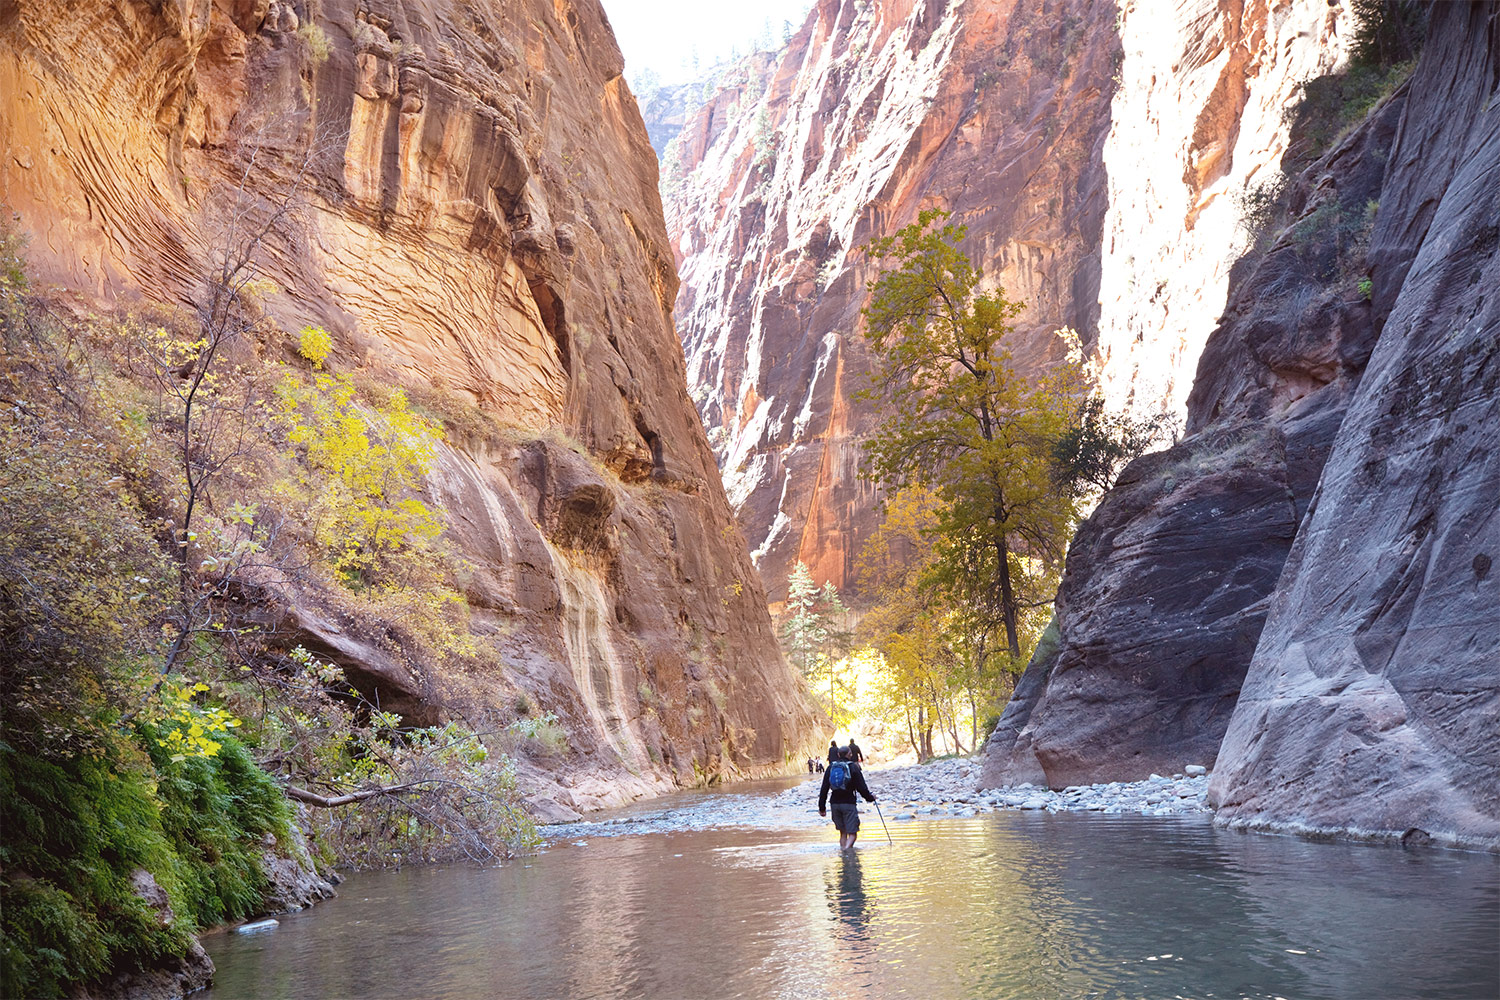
x: 1011, y: 904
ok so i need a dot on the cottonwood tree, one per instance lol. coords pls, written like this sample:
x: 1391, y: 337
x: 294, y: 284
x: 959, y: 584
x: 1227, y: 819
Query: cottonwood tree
x: 963, y: 422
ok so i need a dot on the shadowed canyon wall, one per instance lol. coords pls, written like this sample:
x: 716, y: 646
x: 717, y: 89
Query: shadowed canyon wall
x: 1097, y: 154
x: 474, y: 209
x: 1299, y: 593
x: 1373, y: 699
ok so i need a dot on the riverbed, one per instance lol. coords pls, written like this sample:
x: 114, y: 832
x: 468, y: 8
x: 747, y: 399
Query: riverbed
x: 1010, y: 902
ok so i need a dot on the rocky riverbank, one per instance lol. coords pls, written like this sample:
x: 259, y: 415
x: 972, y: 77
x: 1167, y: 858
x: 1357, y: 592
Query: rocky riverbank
x: 939, y: 790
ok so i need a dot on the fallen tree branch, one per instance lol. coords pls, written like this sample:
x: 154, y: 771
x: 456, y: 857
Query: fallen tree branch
x: 334, y: 801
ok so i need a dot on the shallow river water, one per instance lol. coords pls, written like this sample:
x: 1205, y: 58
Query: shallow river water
x: 1006, y: 905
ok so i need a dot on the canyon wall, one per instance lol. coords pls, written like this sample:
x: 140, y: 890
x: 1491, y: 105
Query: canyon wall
x: 1199, y: 121
x: 1165, y: 590
x: 1299, y: 593
x: 874, y: 111
x: 1373, y: 700
x: 465, y: 197
x: 1098, y: 154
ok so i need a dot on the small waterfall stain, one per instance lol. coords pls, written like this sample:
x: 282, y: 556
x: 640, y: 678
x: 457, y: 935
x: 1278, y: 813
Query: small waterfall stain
x: 591, y: 657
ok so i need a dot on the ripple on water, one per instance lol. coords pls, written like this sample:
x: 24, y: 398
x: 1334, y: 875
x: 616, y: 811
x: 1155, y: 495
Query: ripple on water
x: 1004, y: 905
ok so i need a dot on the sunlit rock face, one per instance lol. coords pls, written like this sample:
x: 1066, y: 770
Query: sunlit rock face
x: 1198, y: 119
x: 1372, y: 703
x: 476, y: 210
x: 1098, y: 155
x: 874, y: 111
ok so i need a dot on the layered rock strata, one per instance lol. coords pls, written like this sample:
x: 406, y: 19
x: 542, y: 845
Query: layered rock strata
x: 1098, y: 153
x: 465, y: 197
x: 1199, y: 125
x: 1373, y: 699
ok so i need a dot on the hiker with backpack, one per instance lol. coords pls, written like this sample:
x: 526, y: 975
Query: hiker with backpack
x: 841, y: 781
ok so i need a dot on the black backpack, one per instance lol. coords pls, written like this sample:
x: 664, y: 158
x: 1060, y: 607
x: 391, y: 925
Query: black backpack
x: 840, y: 775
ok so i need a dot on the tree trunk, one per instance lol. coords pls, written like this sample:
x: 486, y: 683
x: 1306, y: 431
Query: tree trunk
x: 1007, y: 599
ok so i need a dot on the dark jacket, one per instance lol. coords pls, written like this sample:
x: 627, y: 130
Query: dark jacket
x: 845, y: 795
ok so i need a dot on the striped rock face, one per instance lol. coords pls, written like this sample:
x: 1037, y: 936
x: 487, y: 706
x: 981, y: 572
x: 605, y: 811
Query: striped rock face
x: 465, y: 197
x: 1097, y: 152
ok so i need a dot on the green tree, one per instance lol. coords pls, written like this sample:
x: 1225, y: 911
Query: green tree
x: 963, y: 422
x: 895, y: 571
x: 814, y: 635
x: 1099, y: 444
x: 802, y: 632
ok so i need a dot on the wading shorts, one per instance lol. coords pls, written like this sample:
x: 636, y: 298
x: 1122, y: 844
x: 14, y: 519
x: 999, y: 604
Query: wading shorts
x: 845, y: 817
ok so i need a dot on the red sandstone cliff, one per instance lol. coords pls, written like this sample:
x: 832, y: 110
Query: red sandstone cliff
x: 1095, y: 152
x: 480, y: 214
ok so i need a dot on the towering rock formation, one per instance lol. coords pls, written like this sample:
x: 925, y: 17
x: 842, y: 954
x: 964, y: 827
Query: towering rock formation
x: 1165, y: 591
x: 874, y: 111
x: 473, y: 209
x: 1307, y: 575
x: 1098, y: 154
x: 1373, y: 700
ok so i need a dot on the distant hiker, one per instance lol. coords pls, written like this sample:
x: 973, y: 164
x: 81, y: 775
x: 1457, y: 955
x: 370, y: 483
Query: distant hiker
x: 843, y: 778
x: 855, y: 753
x: 833, y: 751
x: 809, y: 765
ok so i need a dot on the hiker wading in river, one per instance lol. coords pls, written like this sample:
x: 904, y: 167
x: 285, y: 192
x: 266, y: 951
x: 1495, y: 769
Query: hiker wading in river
x: 843, y: 778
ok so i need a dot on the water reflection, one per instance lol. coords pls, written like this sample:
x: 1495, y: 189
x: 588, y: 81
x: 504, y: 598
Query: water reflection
x: 1014, y: 906
x: 847, y: 899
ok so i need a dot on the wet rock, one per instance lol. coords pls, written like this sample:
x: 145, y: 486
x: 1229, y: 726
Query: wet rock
x: 292, y: 878
x: 257, y: 927
x: 169, y: 981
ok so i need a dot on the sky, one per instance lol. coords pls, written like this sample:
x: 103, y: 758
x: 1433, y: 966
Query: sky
x: 664, y: 35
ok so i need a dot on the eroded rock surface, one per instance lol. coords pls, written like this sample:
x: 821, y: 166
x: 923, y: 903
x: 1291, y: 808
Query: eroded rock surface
x: 1097, y: 152
x: 470, y: 207
x: 874, y: 111
x: 1307, y: 575
x: 1167, y: 582
x: 1373, y: 700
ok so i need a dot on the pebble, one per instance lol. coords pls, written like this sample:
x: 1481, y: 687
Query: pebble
x: 915, y: 792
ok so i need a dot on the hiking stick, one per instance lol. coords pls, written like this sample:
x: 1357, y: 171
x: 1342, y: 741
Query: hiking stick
x: 882, y: 824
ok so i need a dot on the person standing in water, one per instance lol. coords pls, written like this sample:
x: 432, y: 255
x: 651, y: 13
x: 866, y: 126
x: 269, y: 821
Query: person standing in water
x: 841, y: 781
x: 855, y: 753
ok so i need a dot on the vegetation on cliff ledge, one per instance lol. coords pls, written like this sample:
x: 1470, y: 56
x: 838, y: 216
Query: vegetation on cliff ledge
x: 169, y: 485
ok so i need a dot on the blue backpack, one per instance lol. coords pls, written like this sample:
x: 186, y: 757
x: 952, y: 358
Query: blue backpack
x: 839, y: 775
